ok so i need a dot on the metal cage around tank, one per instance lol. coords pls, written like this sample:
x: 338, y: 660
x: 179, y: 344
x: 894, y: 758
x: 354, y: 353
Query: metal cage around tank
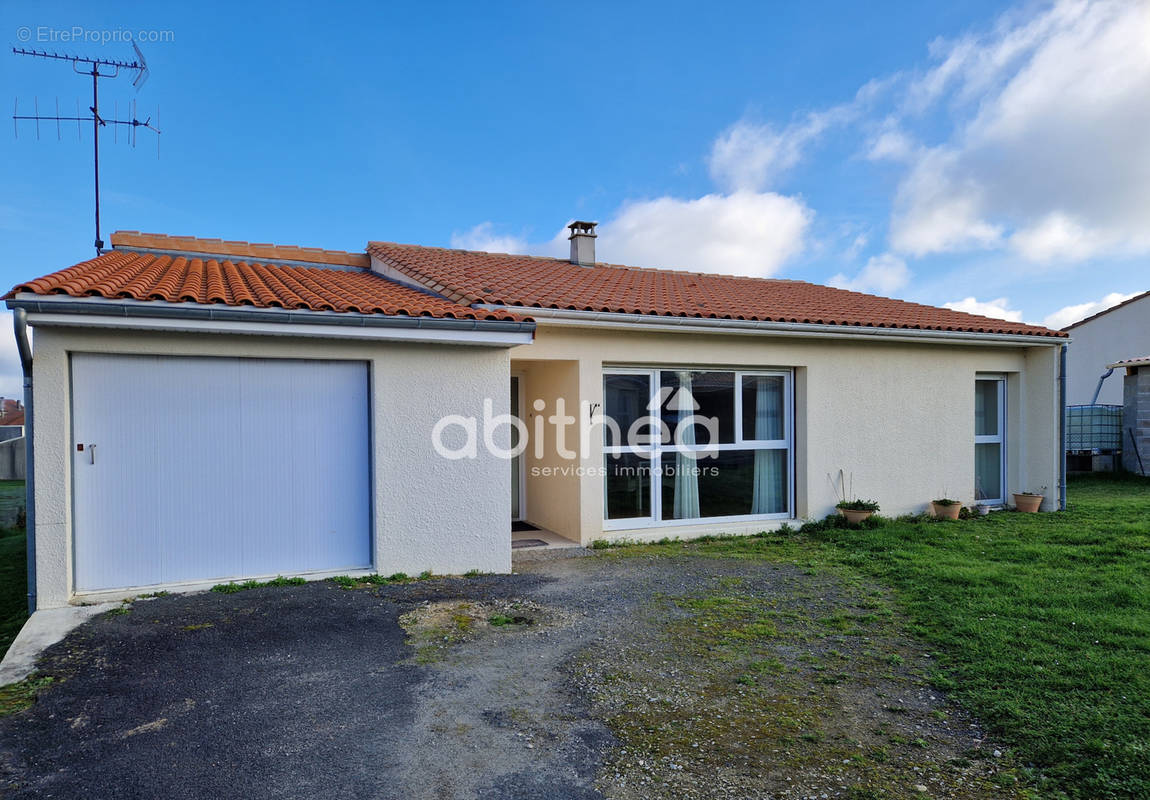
x: 1093, y: 429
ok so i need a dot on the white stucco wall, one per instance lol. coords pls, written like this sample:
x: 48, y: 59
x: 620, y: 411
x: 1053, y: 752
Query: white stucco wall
x: 1118, y: 334
x: 428, y: 512
x: 898, y: 416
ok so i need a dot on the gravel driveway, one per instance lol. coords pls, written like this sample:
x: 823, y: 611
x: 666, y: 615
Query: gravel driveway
x: 607, y: 676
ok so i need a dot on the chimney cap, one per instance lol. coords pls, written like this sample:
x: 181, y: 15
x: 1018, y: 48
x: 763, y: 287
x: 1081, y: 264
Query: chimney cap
x: 582, y: 228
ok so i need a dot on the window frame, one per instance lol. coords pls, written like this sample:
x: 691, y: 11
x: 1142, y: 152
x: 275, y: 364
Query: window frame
x: 996, y: 438
x: 657, y: 450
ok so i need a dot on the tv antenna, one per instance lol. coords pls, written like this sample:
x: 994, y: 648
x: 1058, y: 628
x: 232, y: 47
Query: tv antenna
x: 97, y: 68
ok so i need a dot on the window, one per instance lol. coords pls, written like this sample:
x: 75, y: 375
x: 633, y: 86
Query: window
x: 989, y: 440
x: 685, y: 445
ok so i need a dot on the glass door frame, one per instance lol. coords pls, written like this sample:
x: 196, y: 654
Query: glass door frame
x: 998, y: 438
x: 518, y: 463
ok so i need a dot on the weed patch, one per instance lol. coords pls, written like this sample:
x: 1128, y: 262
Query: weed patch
x: 232, y: 588
x: 16, y: 697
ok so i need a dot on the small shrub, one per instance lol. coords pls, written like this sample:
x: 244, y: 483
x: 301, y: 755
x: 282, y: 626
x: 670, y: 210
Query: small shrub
x: 424, y: 575
x: 858, y: 505
x: 839, y: 522
x: 279, y: 580
x: 600, y: 544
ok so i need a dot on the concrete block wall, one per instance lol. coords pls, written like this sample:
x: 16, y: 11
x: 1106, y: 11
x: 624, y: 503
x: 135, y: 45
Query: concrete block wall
x: 12, y: 460
x: 1136, y: 420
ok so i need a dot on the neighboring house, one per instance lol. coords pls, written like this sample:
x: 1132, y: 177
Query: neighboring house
x: 11, y: 419
x: 1118, y: 333
x: 208, y: 410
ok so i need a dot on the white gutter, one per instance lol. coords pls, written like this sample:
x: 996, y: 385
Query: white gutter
x: 649, y: 322
x: 91, y: 312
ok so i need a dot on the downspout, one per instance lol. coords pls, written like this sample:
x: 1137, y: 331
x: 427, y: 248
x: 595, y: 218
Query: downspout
x: 20, y: 324
x: 1098, y: 388
x: 1062, y: 425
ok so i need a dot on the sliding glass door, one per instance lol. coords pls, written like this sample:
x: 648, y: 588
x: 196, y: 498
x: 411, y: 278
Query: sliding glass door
x: 690, y: 445
x: 990, y: 441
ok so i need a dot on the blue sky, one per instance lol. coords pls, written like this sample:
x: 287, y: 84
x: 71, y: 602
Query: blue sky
x: 992, y: 156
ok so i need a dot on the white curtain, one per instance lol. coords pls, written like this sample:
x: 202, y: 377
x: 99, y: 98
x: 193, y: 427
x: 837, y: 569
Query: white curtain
x: 686, y: 475
x: 769, y: 496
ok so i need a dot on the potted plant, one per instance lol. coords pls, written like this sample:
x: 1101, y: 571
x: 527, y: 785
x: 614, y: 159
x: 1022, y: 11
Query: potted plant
x: 849, y: 506
x: 945, y: 508
x: 856, y: 511
x: 1029, y: 502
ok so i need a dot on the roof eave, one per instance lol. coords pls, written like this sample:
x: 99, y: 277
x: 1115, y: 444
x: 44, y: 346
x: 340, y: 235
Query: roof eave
x: 158, y: 315
x: 623, y: 321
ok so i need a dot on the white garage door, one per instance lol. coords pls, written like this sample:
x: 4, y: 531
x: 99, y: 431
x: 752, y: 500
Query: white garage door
x: 215, y: 468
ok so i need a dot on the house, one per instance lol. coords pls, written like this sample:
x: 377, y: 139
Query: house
x: 11, y: 419
x: 1120, y: 332
x: 208, y: 410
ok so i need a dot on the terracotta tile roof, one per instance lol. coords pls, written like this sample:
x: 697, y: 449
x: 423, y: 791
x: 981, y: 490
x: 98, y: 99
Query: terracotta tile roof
x: 11, y: 412
x: 182, y: 279
x: 1141, y: 361
x: 501, y: 279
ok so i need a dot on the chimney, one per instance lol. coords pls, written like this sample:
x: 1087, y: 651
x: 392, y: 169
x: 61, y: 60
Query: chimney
x: 582, y: 243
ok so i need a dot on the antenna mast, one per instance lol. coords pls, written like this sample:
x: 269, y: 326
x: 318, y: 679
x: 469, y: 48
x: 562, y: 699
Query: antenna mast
x: 97, y: 68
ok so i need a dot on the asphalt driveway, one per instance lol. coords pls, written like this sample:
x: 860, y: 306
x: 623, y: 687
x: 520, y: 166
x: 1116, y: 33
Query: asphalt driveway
x: 581, y: 678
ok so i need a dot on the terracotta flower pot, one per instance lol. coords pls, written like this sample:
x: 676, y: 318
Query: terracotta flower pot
x: 855, y: 516
x: 1029, y: 503
x: 946, y: 510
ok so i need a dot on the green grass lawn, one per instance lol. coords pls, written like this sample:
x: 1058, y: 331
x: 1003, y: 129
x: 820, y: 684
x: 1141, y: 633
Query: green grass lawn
x: 13, y: 577
x: 1041, y: 622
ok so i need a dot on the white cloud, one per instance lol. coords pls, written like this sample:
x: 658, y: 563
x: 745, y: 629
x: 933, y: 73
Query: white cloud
x: 1048, y: 151
x: 483, y: 237
x: 1057, y: 237
x: 1073, y: 313
x: 856, y: 246
x: 744, y: 233
x: 750, y: 157
x: 935, y: 213
x: 890, y: 144
x: 884, y: 274
x: 998, y: 309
